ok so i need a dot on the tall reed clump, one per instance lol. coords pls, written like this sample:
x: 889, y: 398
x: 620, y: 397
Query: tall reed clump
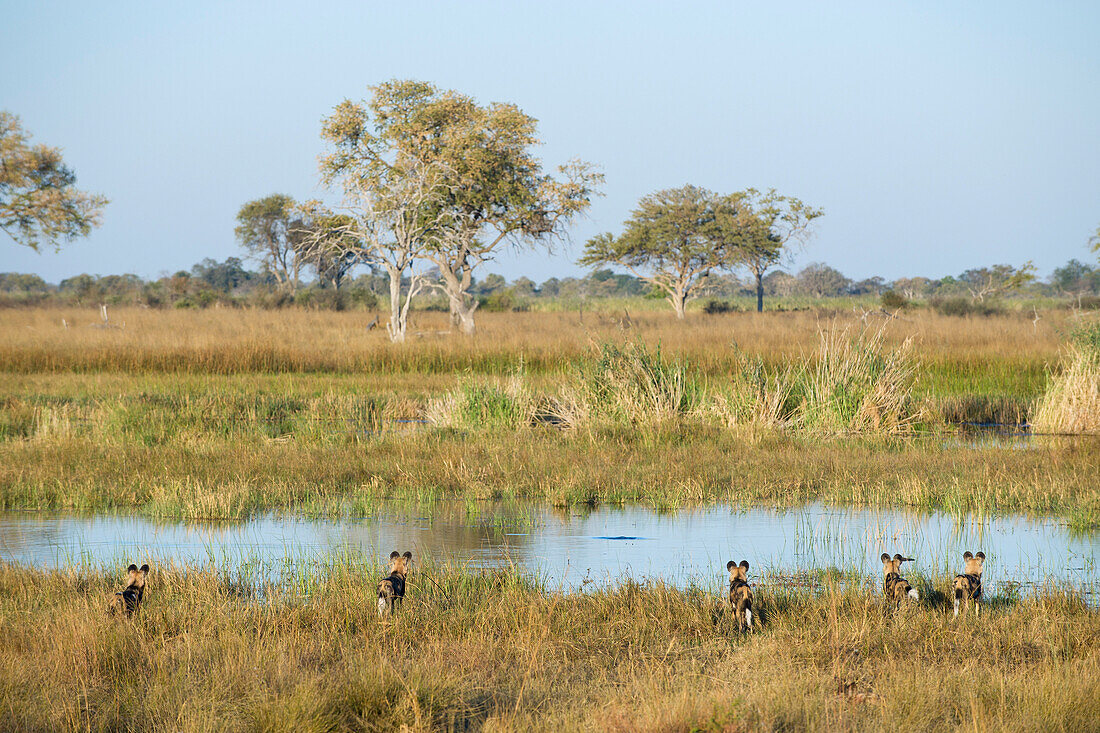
x: 627, y: 384
x: 485, y: 405
x: 858, y: 385
x: 1071, y: 403
x: 757, y: 398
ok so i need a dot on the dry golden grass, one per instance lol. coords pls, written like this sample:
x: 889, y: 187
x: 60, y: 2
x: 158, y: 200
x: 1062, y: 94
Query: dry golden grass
x: 228, y: 341
x: 492, y: 651
x: 1071, y: 403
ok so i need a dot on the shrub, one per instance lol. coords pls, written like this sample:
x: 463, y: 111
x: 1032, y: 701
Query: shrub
x: 1071, y: 403
x: 893, y: 300
x: 959, y: 306
x: 501, y: 302
x: 756, y: 398
x: 715, y: 306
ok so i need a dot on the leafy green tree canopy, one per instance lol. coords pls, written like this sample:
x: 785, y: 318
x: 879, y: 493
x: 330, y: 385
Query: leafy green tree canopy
x: 267, y: 229
x: 487, y: 184
x: 39, y: 201
x: 768, y: 224
x: 672, y: 240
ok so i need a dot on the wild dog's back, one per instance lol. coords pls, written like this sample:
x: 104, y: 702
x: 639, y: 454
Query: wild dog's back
x: 740, y: 593
x: 128, y: 600
x: 894, y: 587
x: 968, y: 584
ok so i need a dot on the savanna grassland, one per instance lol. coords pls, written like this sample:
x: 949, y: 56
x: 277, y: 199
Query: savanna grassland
x: 222, y: 414
x: 227, y: 414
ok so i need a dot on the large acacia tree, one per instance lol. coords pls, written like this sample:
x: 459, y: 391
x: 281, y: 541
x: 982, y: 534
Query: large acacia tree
x: 432, y: 174
x: 494, y: 189
x: 39, y: 201
x: 393, y: 189
x: 673, y: 240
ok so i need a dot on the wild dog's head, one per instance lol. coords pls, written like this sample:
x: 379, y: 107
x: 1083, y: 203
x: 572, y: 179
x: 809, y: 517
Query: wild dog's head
x: 399, y: 564
x: 893, y: 564
x: 135, y: 577
x: 738, y: 571
x: 128, y: 600
x: 973, y: 563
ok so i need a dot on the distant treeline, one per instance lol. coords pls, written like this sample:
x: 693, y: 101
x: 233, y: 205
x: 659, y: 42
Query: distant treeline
x: 231, y: 284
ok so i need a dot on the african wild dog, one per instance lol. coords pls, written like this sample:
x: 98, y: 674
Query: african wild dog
x: 969, y: 584
x: 391, y: 589
x: 740, y: 594
x: 128, y: 601
x: 894, y: 587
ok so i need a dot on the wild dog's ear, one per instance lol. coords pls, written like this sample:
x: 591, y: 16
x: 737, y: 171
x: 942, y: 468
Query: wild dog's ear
x: 394, y: 555
x: 885, y: 558
x: 981, y: 556
x: 408, y: 556
x: 132, y: 568
x: 144, y: 570
x: 899, y: 556
x: 731, y: 565
x: 744, y: 564
x: 967, y: 555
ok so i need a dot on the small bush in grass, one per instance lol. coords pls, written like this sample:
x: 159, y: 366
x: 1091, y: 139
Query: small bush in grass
x: 756, y: 398
x: 502, y: 302
x: 715, y: 306
x: 959, y: 306
x: 893, y: 300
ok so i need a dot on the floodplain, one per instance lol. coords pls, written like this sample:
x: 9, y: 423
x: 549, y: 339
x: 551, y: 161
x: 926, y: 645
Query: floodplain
x: 571, y: 483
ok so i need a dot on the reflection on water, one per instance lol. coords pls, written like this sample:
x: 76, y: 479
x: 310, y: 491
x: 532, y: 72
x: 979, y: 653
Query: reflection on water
x: 566, y: 546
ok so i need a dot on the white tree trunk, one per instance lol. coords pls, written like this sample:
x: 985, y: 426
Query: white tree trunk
x: 462, y: 313
x: 399, y: 312
x: 679, y: 306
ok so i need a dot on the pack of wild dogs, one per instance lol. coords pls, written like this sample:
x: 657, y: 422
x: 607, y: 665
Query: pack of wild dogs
x: 967, y: 586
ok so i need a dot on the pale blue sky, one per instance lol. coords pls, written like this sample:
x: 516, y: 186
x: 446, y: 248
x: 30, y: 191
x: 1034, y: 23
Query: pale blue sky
x: 937, y: 136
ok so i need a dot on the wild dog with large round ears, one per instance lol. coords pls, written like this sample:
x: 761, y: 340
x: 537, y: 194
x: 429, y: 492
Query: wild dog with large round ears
x: 894, y: 587
x: 968, y: 585
x: 391, y: 589
x: 740, y: 594
x: 128, y: 601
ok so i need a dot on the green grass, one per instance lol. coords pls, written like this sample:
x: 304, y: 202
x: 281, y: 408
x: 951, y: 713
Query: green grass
x: 495, y: 650
x: 667, y: 468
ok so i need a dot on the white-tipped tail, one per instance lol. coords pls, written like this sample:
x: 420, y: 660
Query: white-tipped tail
x: 381, y: 606
x: 956, y: 608
x: 748, y: 618
x: 914, y: 594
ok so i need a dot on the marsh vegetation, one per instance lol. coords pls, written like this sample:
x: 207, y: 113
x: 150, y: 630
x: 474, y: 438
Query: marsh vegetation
x: 497, y: 650
x: 237, y: 414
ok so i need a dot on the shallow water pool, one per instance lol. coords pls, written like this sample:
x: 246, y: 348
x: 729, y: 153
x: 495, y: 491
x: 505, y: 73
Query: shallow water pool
x: 569, y: 548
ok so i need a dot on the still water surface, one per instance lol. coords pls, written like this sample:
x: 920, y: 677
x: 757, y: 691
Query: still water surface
x: 567, y: 546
